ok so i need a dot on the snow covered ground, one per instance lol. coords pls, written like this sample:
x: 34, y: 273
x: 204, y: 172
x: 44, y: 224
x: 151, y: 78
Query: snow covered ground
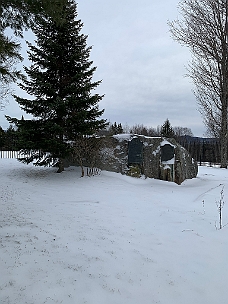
x: 111, y: 239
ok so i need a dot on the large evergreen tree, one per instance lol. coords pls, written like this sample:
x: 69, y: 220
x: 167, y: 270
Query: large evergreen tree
x: 18, y: 15
x: 60, y: 79
x: 167, y: 130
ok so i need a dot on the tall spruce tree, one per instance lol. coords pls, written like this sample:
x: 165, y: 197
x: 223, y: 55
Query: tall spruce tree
x: 18, y: 15
x: 167, y: 130
x: 60, y: 79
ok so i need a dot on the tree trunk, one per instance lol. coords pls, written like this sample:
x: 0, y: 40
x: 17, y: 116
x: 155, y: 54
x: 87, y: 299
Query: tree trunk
x: 83, y: 173
x: 224, y: 153
x: 223, y: 136
x: 223, y: 140
x: 60, y: 166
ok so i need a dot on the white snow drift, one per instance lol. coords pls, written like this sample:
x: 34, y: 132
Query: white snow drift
x: 111, y: 239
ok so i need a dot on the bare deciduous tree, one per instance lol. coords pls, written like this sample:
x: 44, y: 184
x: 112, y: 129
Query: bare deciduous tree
x: 85, y: 153
x: 5, y: 94
x: 220, y: 205
x: 6, y: 77
x: 144, y: 130
x: 182, y: 131
x: 204, y: 29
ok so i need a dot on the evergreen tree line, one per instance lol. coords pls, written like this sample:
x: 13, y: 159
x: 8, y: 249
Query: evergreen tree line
x: 165, y: 130
x: 201, y: 149
x: 9, y: 139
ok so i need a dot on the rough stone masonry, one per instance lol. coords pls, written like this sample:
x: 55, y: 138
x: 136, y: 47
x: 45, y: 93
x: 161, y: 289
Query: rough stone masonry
x: 154, y: 157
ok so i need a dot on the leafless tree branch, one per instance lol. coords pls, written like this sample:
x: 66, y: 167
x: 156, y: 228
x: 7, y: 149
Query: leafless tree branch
x: 204, y: 29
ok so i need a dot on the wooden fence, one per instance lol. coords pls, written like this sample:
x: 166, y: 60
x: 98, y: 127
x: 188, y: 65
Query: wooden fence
x: 11, y: 154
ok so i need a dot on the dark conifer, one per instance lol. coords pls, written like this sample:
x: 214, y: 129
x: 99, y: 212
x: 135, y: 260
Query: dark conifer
x: 119, y: 128
x: 60, y: 79
x: 19, y: 15
x: 167, y: 130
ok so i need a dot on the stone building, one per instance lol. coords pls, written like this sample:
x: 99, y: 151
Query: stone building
x: 154, y: 157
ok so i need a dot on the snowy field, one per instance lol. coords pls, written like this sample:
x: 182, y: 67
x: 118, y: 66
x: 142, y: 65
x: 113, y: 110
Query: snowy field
x: 111, y: 239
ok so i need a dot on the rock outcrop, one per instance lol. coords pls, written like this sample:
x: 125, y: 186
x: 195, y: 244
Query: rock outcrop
x: 137, y: 155
x: 160, y: 158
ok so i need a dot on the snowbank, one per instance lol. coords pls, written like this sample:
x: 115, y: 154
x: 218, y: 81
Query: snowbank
x: 111, y: 238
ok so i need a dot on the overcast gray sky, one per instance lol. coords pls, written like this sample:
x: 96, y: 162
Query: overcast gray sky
x: 142, y: 69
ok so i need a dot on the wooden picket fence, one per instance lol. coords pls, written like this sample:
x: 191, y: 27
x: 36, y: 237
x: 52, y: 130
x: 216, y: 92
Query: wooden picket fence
x: 11, y: 154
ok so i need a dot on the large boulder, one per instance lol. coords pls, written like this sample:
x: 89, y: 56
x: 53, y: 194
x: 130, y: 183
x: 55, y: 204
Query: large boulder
x: 154, y: 157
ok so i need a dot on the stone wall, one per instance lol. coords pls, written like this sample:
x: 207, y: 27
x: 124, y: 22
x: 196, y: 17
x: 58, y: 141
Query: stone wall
x: 113, y: 156
x: 114, y: 150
